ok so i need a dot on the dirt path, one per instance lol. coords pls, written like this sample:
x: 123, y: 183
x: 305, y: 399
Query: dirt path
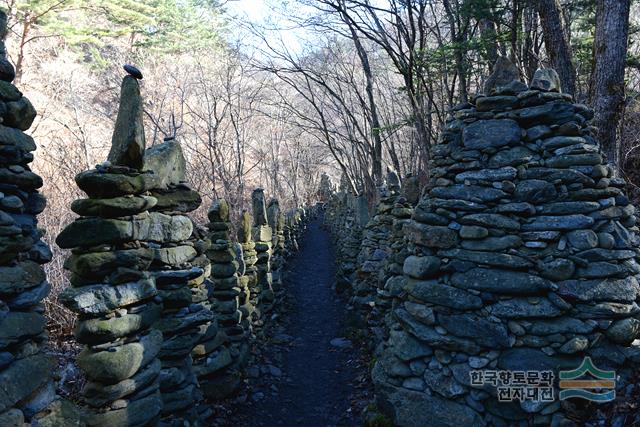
x: 314, y: 382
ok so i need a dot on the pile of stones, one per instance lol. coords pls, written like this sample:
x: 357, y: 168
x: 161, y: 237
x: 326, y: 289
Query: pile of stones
x: 113, y: 244
x: 523, y: 257
x: 28, y: 391
x: 249, y: 272
x: 220, y: 376
x: 262, y: 235
x: 276, y: 222
x: 182, y: 321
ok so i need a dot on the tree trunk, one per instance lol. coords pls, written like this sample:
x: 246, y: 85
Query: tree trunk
x: 556, y: 41
x: 607, y: 88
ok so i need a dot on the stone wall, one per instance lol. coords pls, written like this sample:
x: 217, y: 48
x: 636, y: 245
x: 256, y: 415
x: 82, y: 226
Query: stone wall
x: 27, y: 389
x: 523, y: 257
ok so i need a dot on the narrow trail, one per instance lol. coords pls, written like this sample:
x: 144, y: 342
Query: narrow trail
x: 318, y: 379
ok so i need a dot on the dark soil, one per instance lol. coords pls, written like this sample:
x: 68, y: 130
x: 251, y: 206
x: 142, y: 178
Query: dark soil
x: 300, y: 378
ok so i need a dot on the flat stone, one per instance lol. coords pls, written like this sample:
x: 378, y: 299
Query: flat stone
x: 17, y: 326
x: 114, y: 207
x: 557, y: 269
x: 10, y: 136
x: 177, y: 199
x: 513, y: 156
x: 549, y: 113
x: 444, y: 385
x: 500, y: 281
x: 102, y: 330
x: 501, y: 174
x: 489, y: 258
x: 559, y: 325
x: 121, y: 362
x: 473, y: 232
x: 535, y: 191
x: 518, y: 308
x: 97, y: 265
x: 433, y: 292
x: 491, y: 133
x: 104, y: 298
x: 574, y: 345
x: 496, y: 244
x: 22, y: 276
x: 624, y: 331
x: 560, y: 223
x: 136, y: 413
x: 501, y: 102
x: 619, y: 290
x: 480, y: 329
x: 574, y: 160
x: 98, y: 184
x: 491, y: 221
x: 567, y: 208
x: 468, y: 192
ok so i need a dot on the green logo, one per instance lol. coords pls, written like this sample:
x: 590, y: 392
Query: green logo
x: 603, y: 383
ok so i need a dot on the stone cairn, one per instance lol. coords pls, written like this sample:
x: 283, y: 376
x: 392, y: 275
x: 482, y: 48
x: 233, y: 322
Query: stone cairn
x: 28, y: 391
x: 249, y: 279
x: 114, y: 242
x: 175, y: 273
x: 392, y: 286
x: 276, y: 221
x: 221, y: 377
x: 262, y: 235
x: 523, y: 257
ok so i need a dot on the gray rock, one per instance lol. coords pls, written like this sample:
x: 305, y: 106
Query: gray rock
x: 496, y: 244
x: 518, y: 308
x: 618, y: 290
x: 582, y: 239
x: 491, y: 133
x: 546, y: 79
x: 624, y: 331
x: 504, y: 73
x: 127, y: 143
x: 167, y: 162
x: 500, y: 281
x: 433, y: 292
x: 560, y: 223
x: 480, y: 329
x: 535, y: 191
x: 421, y: 267
x: 406, y: 347
x: 513, y: 156
x: 473, y: 232
x: 104, y: 298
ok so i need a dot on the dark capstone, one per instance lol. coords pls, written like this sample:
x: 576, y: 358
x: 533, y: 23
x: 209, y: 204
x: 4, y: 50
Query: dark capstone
x: 500, y: 281
x: 133, y: 71
x: 480, y: 329
x: 535, y: 191
x: 432, y: 291
x: 491, y: 133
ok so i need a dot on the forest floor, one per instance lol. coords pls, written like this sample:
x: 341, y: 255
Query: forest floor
x: 308, y: 373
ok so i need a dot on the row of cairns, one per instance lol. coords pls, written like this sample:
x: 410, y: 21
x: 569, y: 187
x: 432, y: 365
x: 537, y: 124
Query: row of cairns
x: 523, y: 258
x: 27, y: 395
x: 262, y: 236
x: 276, y: 220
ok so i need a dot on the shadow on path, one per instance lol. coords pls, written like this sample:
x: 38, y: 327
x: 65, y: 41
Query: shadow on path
x: 318, y: 377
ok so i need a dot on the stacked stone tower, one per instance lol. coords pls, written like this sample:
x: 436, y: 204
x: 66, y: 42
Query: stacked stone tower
x: 276, y: 222
x: 249, y: 280
x: 262, y: 235
x: 181, y: 319
x: 28, y: 392
x: 524, y: 258
x: 226, y: 303
x: 114, y: 242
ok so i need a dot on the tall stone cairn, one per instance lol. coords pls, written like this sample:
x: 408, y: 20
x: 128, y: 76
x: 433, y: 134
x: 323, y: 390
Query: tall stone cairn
x: 524, y: 257
x: 276, y: 222
x: 175, y: 273
x: 113, y: 243
x: 249, y: 279
x: 223, y: 378
x: 262, y: 235
x: 28, y: 392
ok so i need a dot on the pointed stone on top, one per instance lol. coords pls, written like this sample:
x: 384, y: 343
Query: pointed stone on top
x: 273, y: 213
x: 244, y: 230
x: 219, y: 211
x: 393, y: 181
x: 127, y: 143
x: 546, y: 79
x: 259, y: 207
x: 504, y: 73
